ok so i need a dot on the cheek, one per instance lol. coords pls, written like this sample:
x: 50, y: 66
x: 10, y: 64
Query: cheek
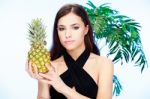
x: 80, y: 35
x: 79, y: 38
x: 61, y: 38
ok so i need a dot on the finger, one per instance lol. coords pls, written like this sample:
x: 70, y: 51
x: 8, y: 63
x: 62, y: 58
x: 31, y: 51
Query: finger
x: 38, y: 77
x: 45, y: 76
x: 36, y: 73
x: 27, y: 67
x: 35, y: 69
x: 30, y: 69
x: 46, y: 81
x: 48, y: 66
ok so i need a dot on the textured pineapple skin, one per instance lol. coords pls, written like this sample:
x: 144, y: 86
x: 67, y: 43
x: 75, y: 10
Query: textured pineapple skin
x: 39, y: 57
x: 38, y: 54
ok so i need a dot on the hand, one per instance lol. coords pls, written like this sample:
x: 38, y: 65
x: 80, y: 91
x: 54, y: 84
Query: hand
x: 30, y: 68
x: 52, y: 77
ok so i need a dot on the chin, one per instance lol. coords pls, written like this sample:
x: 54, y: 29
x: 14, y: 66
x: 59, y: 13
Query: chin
x: 70, y: 48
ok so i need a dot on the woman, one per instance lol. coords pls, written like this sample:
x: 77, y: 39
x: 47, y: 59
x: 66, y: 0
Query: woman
x: 77, y: 70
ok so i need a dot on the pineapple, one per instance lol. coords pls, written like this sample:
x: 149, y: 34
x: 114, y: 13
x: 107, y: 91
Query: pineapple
x: 38, y: 54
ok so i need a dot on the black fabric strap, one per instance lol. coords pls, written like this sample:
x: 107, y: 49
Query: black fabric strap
x: 77, y: 77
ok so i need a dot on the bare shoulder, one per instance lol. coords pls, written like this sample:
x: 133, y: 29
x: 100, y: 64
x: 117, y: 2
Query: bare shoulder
x: 105, y: 70
x: 58, y: 62
x: 60, y: 65
x: 102, y: 62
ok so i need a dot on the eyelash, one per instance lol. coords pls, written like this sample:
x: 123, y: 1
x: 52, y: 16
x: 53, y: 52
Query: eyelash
x: 76, y: 27
x: 62, y: 29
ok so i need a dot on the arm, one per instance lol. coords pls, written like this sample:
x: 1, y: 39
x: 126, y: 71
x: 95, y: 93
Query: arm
x: 52, y: 78
x: 43, y: 91
x: 43, y: 88
x: 72, y: 94
x: 105, y: 82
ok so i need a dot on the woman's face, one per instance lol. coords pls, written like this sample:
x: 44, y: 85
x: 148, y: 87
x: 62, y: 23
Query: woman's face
x: 71, y: 31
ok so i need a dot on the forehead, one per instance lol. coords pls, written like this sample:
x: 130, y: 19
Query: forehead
x: 69, y: 19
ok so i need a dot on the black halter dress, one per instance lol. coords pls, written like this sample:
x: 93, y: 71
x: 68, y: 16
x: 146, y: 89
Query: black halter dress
x: 77, y: 77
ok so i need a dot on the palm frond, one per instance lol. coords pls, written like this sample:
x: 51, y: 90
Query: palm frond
x: 117, y: 86
x: 108, y: 24
x: 121, y: 33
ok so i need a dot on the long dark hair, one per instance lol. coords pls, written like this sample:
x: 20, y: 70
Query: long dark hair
x: 57, y: 48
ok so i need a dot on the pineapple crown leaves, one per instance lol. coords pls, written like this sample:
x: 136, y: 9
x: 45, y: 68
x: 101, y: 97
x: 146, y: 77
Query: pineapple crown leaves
x: 37, y: 32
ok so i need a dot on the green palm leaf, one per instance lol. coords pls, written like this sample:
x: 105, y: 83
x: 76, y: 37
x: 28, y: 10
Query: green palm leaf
x: 117, y: 86
x: 121, y: 34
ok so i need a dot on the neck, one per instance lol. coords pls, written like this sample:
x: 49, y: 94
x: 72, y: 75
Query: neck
x: 76, y: 53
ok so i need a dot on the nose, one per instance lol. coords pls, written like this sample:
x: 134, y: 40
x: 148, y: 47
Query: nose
x: 68, y: 34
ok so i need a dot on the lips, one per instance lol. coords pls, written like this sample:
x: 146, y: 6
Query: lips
x: 68, y: 41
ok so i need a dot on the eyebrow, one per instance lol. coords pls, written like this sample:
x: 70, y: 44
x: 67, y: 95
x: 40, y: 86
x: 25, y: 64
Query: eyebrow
x: 71, y: 24
x: 74, y: 24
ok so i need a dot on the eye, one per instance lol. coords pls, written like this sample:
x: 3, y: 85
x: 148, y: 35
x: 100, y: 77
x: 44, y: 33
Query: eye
x: 76, y: 27
x: 61, y: 29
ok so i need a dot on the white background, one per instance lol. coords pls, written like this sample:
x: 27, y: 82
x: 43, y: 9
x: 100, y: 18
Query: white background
x: 15, y: 15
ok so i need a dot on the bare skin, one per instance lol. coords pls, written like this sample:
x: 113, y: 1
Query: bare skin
x: 98, y: 67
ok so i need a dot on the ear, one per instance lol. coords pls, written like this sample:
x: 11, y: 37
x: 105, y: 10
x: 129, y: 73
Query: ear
x: 86, y: 29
